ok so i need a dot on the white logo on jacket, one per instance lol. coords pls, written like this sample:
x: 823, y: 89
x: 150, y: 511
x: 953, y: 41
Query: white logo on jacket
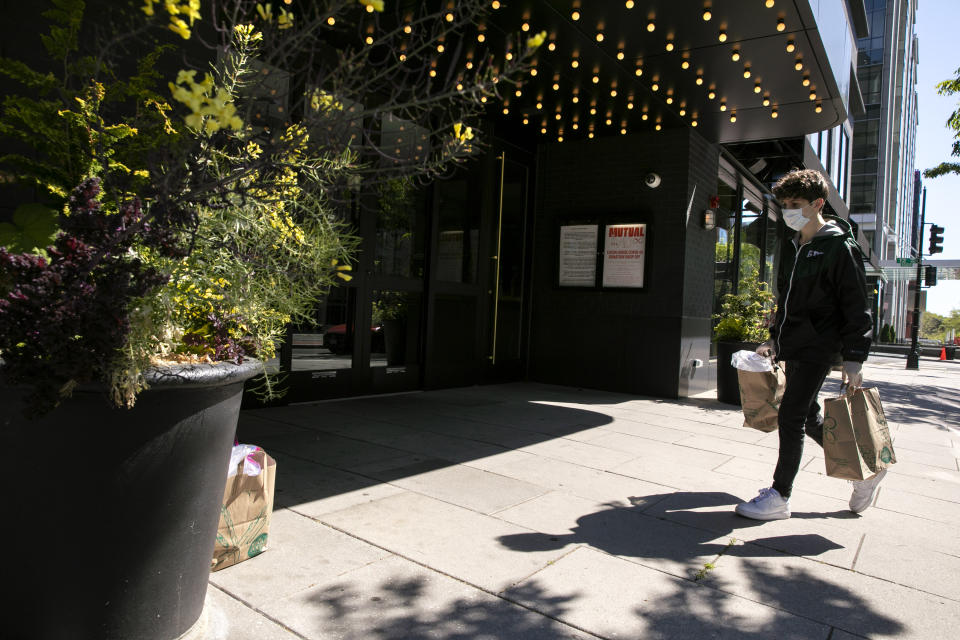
x: 813, y: 253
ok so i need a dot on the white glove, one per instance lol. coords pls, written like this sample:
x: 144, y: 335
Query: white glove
x: 852, y: 376
x: 768, y: 349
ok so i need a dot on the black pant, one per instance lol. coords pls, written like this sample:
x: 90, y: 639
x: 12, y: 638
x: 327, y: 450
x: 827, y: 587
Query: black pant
x: 799, y: 414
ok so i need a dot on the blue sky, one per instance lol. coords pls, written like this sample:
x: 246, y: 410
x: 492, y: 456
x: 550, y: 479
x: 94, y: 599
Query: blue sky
x: 939, y: 60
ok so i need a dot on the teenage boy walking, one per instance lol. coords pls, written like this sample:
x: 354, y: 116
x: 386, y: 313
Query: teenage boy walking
x: 822, y: 319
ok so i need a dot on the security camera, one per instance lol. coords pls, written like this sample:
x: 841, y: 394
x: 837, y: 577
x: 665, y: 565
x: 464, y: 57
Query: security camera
x: 652, y: 180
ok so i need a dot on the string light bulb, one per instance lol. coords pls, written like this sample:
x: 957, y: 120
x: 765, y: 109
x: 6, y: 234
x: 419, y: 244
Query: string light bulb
x: 735, y: 55
x: 655, y: 86
x: 448, y: 17
x: 774, y: 114
x: 791, y: 46
x: 722, y: 35
x: 658, y: 127
x: 495, y: 4
x: 596, y: 79
x: 651, y: 25
x: 481, y: 37
x: 818, y: 108
x: 746, y: 71
x: 712, y: 94
x: 525, y: 26
x: 629, y: 4
x: 685, y: 64
x: 766, y: 102
x: 733, y: 117
x: 723, y: 105
x: 699, y: 79
x: 600, y: 36
x: 707, y: 14
x: 621, y: 55
x: 669, y: 99
x: 798, y: 65
x: 683, y: 112
x: 613, y: 93
x: 644, y: 116
x: 781, y: 25
x: 693, y: 123
x: 552, y: 46
x: 332, y: 21
x: 638, y: 72
x: 575, y: 15
x: 813, y: 95
x: 757, y: 88
x: 669, y: 45
x: 574, y: 63
x: 769, y: 4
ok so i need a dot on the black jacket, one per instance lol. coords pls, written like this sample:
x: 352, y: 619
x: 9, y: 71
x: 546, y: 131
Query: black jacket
x: 822, y: 308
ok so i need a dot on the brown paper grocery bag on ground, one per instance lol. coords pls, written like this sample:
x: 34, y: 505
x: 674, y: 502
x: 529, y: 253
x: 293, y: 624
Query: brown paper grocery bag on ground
x: 760, y: 396
x: 856, y: 438
x: 245, y: 513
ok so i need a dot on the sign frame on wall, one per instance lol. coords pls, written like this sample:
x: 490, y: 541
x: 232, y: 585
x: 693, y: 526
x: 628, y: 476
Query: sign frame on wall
x: 617, y: 263
x: 624, y: 255
x: 579, y: 244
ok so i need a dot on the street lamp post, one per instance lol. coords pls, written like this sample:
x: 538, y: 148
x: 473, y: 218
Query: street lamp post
x: 913, y: 358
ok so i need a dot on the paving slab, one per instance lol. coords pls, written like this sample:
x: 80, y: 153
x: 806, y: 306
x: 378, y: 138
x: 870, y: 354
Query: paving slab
x: 581, y: 453
x: 926, y: 507
x: 614, y: 598
x: 451, y: 539
x: 300, y: 553
x: 850, y: 601
x: 566, y: 521
x: 313, y: 489
x: 910, y: 565
x: 227, y: 618
x: 573, y: 479
x: 808, y: 533
x: 395, y: 599
x: 476, y: 489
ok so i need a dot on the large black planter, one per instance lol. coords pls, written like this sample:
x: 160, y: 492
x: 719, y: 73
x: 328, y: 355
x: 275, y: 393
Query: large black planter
x: 728, y: 385
x: 111, y: 514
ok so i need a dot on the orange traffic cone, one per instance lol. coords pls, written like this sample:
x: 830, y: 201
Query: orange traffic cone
x: 943, y: 353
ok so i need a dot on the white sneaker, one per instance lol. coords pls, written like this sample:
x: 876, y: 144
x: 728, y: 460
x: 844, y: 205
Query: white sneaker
x: 769, y: 505
x: 864, y: 491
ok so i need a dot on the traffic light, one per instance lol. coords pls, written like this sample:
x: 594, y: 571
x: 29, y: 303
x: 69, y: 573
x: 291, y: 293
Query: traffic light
x: 936, y: 239
x: 930, y: 275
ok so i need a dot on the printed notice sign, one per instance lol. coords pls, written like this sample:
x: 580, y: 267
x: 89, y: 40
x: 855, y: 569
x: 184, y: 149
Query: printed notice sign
x: 623, y: 255
x: 578, y: 255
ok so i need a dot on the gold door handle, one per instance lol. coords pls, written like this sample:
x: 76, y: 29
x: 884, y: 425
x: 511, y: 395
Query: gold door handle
x: 496, y: 279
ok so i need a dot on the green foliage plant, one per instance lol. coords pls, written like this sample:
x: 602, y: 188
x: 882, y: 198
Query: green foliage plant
x: 745, y: 317
x: 202, y: 157
x: 949, y: 87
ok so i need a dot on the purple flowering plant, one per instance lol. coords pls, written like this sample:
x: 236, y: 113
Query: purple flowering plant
x: 191, y: 214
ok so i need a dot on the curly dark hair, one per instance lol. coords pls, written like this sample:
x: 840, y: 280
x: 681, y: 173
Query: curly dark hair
x: 808, y: 184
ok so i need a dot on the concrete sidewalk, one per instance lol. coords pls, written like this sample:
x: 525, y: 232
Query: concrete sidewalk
x: 533, y: 511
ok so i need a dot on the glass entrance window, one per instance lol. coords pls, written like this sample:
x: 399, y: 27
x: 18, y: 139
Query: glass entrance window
x: 395, y: 331
x: 725, y: 257
x: 329, y: 344
x: 459, y: 231
x: 401, y: 226
x: 752, y: 240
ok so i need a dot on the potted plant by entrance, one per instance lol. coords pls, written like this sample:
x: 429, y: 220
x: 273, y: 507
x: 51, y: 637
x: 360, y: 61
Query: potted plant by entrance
x: 743, y: 323
x: 178, y: 182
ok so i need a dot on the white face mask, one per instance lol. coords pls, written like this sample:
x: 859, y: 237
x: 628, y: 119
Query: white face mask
x: 794, y: 218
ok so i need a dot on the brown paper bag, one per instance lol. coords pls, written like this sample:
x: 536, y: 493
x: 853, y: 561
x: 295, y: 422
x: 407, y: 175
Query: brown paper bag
x: 245, y: 513
x: 856, y: 439
x: 760, y: 396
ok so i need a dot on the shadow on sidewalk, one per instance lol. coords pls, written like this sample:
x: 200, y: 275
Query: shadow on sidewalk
x: 629, y: 532
x: 755, y: 570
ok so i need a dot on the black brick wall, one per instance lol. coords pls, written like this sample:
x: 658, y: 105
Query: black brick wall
x: 624, y: 340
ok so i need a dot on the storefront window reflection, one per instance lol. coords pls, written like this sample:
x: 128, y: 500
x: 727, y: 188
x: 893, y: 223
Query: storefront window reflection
x: 459, y: 231
x: 329, y: 344
x: 395, y: 330
x: 401, y: 222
